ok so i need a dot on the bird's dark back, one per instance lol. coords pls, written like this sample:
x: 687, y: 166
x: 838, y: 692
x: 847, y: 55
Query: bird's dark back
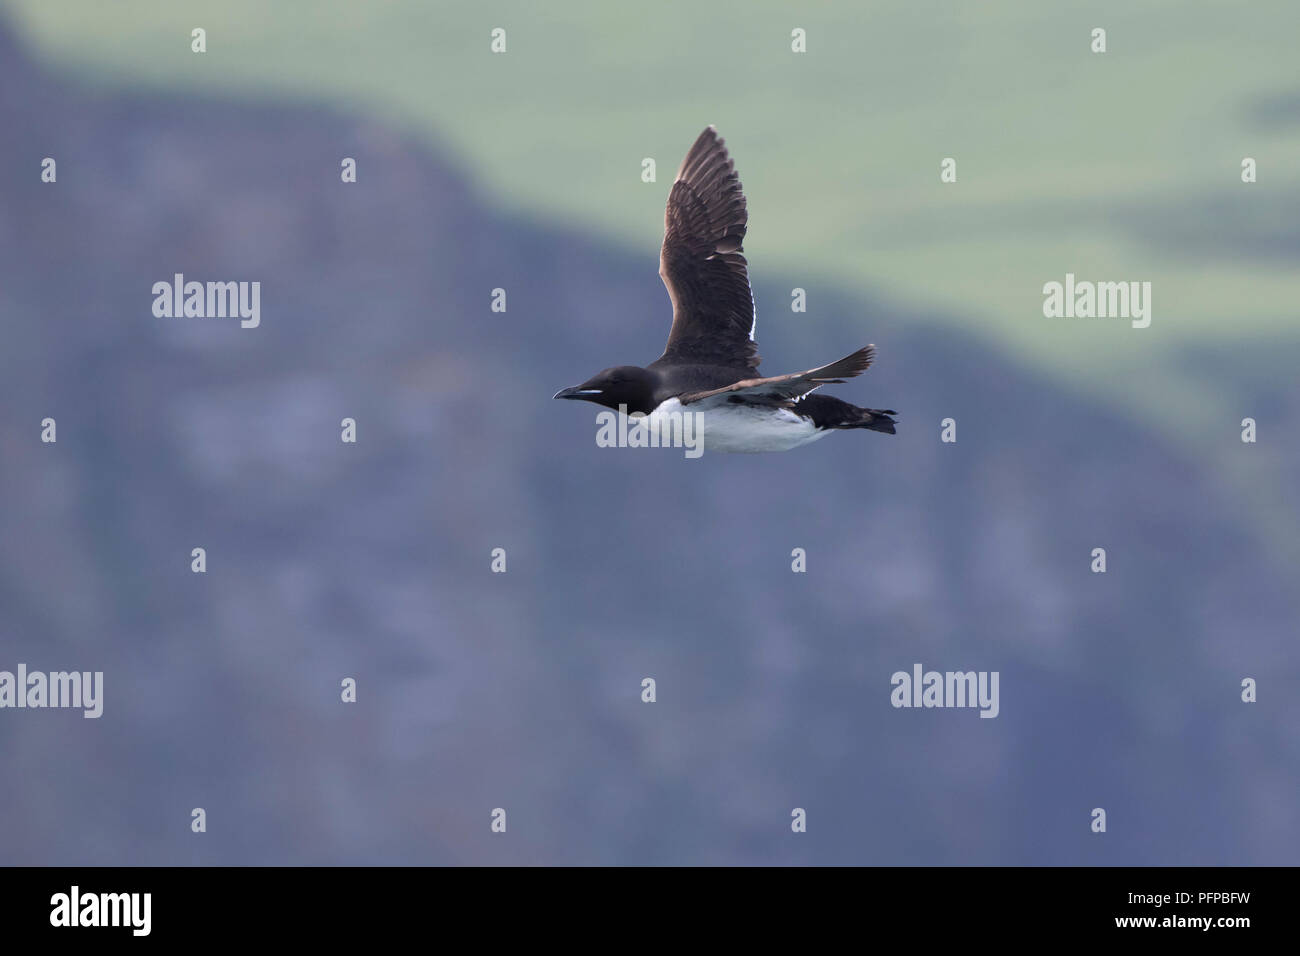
x: 677, y: 379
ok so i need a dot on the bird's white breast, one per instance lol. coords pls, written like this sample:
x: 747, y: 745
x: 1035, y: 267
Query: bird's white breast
x: 729, y: 427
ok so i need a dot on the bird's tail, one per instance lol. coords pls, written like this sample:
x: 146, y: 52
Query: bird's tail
x: 828, y: 412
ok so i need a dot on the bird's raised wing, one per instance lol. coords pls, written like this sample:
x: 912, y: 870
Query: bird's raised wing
x: 702, y: 265
x: 784, y: 388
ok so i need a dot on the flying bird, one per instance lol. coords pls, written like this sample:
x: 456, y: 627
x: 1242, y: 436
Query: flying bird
x: 710, y: 364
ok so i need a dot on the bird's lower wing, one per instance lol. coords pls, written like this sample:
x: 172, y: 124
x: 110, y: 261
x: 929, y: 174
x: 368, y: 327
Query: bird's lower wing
x: 797, y: 384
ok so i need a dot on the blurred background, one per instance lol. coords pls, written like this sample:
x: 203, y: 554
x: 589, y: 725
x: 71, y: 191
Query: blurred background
x: 522, y: 171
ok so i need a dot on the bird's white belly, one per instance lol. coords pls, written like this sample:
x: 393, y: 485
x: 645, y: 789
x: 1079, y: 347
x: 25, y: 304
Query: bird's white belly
x: 727, y: 427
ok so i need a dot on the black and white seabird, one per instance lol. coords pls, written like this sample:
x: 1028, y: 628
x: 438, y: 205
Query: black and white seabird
x: 710, y: 364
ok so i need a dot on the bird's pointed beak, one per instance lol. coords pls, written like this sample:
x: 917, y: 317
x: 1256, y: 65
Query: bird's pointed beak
x: 576, y: 391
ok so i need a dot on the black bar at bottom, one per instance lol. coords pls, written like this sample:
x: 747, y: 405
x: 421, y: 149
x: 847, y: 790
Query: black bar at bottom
x: 335, y: 905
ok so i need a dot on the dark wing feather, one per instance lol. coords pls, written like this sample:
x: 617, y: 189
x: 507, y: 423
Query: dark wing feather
x: 702, y: 265
x: 783, y: 388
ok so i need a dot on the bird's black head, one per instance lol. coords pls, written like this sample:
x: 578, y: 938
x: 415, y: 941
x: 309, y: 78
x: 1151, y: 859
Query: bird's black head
x: 623, y: 385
